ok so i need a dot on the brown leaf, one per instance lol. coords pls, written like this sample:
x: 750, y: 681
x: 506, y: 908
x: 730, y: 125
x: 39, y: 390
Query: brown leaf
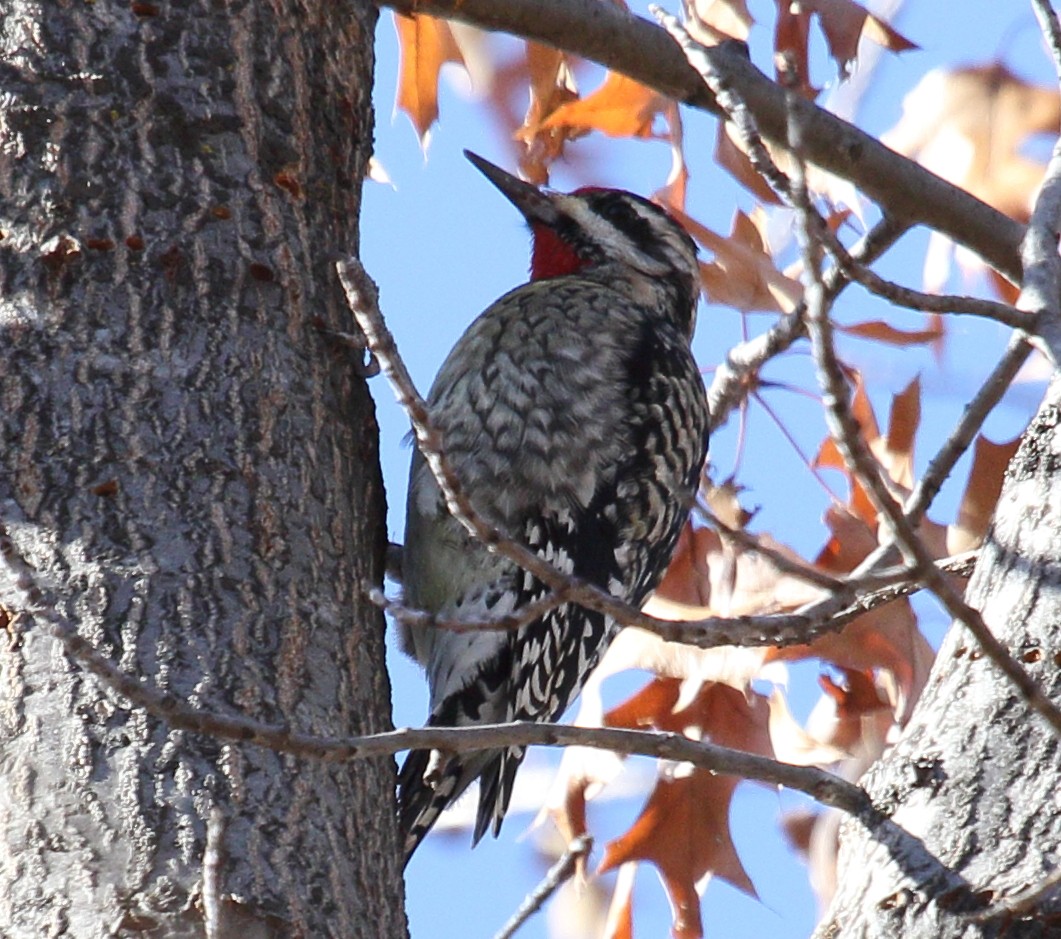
x: 619, y: 108
x: 672, y: 194
x: 885, y: 639
x: 879, y: 331
x: 903, y: 421
x: 684, y: 831
x: 551, y: 86
x: 981, y: 493
x: 851, y: 539
x: 791, y: 743
x: 970, y: 125
x: 711, y: 577
x: 620, y: 923
x: 894, y: 453
x: 843, y: 22
x: 730, y: 155
x: 426, y: 44
x: 684, y: 827
x: 852, y: 702
x: 743, y: 274
x: 711, y: 21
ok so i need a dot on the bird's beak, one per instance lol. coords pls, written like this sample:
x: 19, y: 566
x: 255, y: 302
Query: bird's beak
x: 534, y: 204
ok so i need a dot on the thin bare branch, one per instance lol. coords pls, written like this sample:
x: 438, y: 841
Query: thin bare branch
x: 180, y: 715
x: 976, y: 411
x: 850, y: 599
x: 557, y: 875
x: 900, y: 295
x: 1047, y: 17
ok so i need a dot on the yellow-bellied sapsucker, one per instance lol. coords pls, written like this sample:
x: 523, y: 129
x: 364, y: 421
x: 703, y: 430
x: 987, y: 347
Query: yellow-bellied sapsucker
x: 575, y: 416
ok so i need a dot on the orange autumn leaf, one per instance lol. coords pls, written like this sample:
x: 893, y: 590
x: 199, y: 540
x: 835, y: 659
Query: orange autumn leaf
x: 709, y: 576
x: 426, y: 44
x: 903, y: 421
x: 621, y: 107
x: 683, y: 828
x: 551, y: 86
x: 620, y: 922
x: 887, y: 639
x: 893, y: 451
x: 684, y: 831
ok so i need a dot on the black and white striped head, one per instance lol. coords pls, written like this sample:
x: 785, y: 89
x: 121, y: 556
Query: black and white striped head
x: 595, y: 227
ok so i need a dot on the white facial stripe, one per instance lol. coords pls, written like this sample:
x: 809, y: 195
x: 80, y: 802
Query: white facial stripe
x: 603, y: 232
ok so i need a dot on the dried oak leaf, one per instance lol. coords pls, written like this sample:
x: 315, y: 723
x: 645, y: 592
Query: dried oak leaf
x: 970, y: 126
x: 712, y: 21
x: 843, y: 23
x: 981, y: 493
x: 731, y: 156
x: 425, y: 45
x: 552, y: 86
x: 854, y: 715
x: 743, y: 274
x: 621, y: 107
x: 879, y: 331
x: 708, y: 576
x: 683, y: 828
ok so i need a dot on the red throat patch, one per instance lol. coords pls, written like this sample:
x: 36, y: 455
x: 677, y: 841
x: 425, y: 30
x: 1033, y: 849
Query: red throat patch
x: 551, y: 256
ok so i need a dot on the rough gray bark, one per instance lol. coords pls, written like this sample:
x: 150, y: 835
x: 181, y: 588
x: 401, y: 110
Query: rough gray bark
x: 190, y: 467
x: 976, y: 776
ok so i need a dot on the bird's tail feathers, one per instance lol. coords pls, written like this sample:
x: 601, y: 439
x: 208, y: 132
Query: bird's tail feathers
x: 495, y: 791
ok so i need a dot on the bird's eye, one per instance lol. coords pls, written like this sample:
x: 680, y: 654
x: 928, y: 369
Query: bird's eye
x: 615, y: 211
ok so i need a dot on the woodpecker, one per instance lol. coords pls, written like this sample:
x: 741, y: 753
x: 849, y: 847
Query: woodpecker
x: 574, y: 414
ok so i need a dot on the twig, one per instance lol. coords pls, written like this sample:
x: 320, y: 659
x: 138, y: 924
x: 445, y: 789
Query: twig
x: 558, y: 874
x: 972, y: 419
x: 179, y: 715
x: 852, y: 598
x: 900, y: 295
x: 1044, y: 13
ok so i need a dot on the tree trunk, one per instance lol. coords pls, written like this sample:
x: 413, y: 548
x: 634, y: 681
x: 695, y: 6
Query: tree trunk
x: 976, y: 775
x: 189, y: 467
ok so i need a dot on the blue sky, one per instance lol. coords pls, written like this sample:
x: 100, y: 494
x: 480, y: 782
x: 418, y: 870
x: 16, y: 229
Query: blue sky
x: 442, y: 244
